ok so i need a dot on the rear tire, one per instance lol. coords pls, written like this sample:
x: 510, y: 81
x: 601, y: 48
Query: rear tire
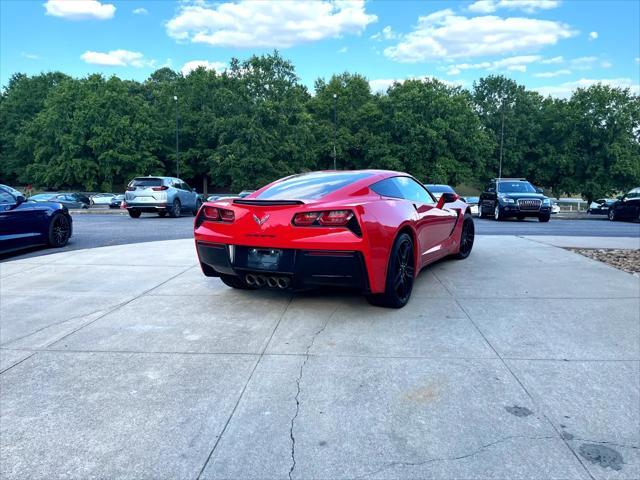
x: 400, y: 275
x: 134, y: 213
x: 521, y: 218
x: 162, y: 214
x: 59, y: 231
x: 198, y: 205
x: 235, y: 281
x: 467, y: 237
x: 176, y: 209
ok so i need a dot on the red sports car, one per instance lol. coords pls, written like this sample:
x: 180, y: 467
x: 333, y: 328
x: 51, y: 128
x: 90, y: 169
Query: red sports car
x: 369, y: 229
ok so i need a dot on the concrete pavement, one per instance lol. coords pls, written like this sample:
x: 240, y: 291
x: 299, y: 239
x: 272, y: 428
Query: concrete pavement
x: 522, y: 361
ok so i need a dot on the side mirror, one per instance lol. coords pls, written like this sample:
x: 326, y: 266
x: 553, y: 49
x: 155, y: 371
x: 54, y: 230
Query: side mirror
x: 539, y: 190
x: 20, y: 199
x: 491, y: 189
x: 447, y: 198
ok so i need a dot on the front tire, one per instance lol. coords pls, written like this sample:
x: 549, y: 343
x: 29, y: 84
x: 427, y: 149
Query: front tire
x: 466, y: 238
x: 134, y: 213
x: 162, y: 214
x: 612, y: 215
x: 544, y: 218
x: 236, y: 282
x: 400, y: 275
x: 497, y: 213
x: 59, y: 231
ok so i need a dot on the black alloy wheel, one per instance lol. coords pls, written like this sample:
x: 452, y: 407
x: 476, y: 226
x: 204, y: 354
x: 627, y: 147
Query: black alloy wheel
x: 59, y: 230
x: 467, y: 237
x: 400, y: 275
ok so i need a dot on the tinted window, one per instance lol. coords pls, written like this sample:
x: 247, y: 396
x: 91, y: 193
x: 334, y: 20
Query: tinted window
x: 516, y: 187
x: 6, y: 198
x: 440, y: 188
x: 42, y: 197
x: 387, y: 188
x: 310, y: 186
x: 146, y: 182
x: 412, y: 190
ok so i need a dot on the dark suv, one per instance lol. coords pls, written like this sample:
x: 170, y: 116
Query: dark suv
x: 513, y: 197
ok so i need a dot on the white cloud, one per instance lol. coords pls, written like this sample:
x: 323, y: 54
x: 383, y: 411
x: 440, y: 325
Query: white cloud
x: 553, y: 60
x: 30, y: 56
x: 512, y: 64
x: 637, y: 59
x: 565, y: 90
x: 445, y: 34
x: 343, y: 50
x: 117, y: 58
x: 261, y: 23
x: 385, y: 34
x: 80, y: 9
x: 528, y: 6
x: 141, y: 11
x: 593, y: 36
x: 381, y: 85
x: 194, y: 64
x: 583, y: 63
x: 556, y: 73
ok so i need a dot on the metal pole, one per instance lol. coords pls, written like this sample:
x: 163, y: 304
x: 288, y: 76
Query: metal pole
x: 501, y: 142
x: 175, y: 97
x: 335, y: 127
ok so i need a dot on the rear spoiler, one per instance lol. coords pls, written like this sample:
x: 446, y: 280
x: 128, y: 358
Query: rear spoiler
x: 266, y: 203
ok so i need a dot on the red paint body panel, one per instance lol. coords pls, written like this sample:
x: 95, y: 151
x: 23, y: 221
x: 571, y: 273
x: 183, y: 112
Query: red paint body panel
x: 436, y: 232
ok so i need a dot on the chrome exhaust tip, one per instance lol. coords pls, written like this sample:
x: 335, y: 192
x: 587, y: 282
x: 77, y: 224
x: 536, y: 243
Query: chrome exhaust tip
x: 260, y: 280
x: 250, y: 279
x: 272, y: 282
x: 283, y: 282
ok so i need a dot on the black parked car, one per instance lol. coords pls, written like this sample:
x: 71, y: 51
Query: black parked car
x: 627, y: 208
x: 513, y: 197
x: 116, y: 201
x: 26, y: 224
x: 69, y: 200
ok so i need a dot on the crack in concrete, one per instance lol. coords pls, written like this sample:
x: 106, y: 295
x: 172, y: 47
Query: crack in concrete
x: 449, y: 459
x: 297, y: 397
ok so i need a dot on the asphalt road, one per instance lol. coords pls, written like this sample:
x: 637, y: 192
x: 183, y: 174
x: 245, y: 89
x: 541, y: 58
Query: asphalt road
x: 99, y: 230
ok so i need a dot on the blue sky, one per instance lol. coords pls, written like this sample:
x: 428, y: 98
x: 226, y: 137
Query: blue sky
x: 550, y: 45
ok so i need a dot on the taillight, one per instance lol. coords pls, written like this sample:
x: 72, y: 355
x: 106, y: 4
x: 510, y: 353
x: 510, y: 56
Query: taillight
x: 305, y: 219
x: 335, y: 218
x: 218, y: 214
x: 329, y: 218
x: 160, y: 189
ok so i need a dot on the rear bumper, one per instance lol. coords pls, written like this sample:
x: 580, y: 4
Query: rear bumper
x: 149, y: 207
x: 303, y: 268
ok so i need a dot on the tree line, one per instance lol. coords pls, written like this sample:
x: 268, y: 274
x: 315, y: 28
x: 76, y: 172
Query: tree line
x: 256, y: 122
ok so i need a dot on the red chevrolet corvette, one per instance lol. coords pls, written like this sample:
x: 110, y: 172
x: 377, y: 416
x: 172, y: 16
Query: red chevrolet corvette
x: 369, y: 229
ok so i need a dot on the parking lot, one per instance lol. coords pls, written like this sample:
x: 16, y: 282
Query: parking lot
x: 522, y: 361
x: 101, y: 230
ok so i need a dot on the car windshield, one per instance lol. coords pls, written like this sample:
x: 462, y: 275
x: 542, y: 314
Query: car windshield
x: 310, y: 186
x: 146, y: 182
x: 473, y: 199
x: 440, y: 189
x: 516, y: 187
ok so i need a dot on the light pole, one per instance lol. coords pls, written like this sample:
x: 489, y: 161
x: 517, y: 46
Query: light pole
x: 502, y: 106
x: 175, y: 98
x: 335, y: 128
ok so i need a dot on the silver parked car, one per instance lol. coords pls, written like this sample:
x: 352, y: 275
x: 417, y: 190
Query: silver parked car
x: 160, y: 195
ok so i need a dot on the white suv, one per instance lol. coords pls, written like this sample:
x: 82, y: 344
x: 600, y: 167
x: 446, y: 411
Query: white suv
x: 160, y: 195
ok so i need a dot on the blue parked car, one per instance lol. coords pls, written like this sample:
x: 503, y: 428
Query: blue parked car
x: 25, y: 224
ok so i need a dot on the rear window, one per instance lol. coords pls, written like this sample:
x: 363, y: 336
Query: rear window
x: 146, y: 182
x: 310, y: 186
